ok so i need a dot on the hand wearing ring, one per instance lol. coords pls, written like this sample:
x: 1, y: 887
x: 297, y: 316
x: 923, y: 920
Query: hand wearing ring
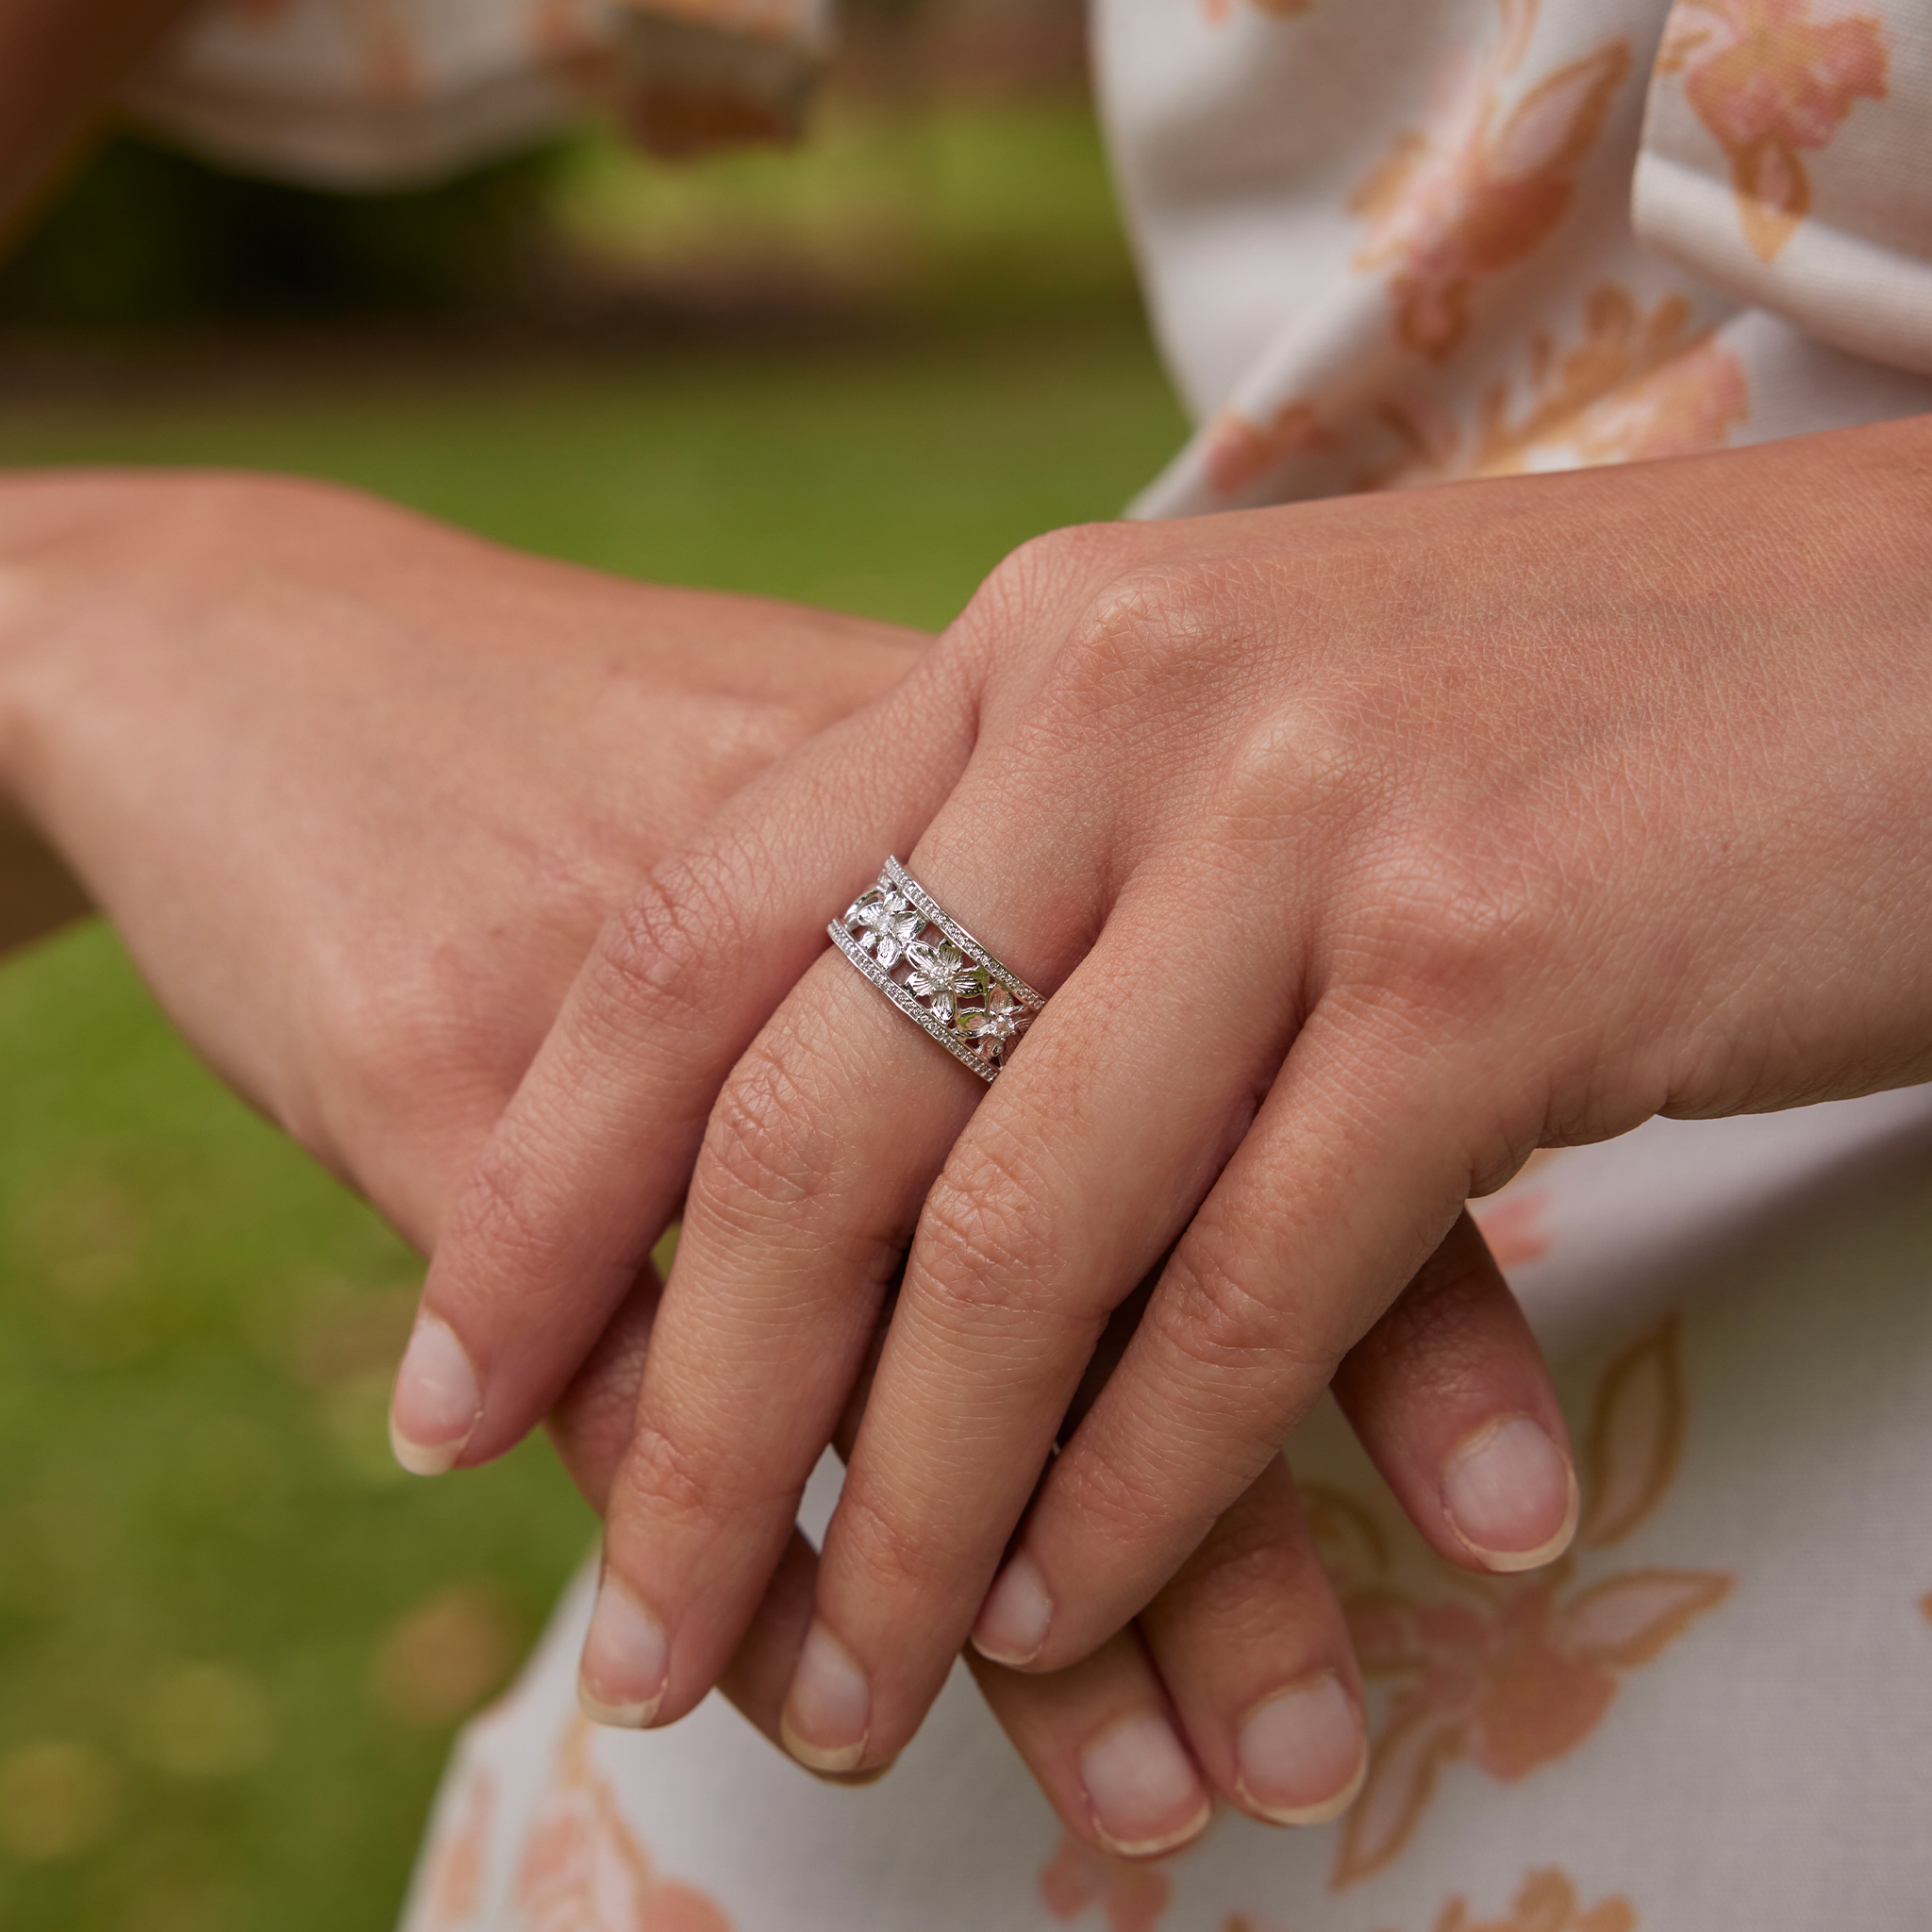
x: 1362, y: 847
x: 952, y: 988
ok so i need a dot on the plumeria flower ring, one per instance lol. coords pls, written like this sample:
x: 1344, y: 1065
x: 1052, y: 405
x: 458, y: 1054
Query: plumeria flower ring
x: 1002, y: 1023
x: 890, y: 925
x: 942, y: 977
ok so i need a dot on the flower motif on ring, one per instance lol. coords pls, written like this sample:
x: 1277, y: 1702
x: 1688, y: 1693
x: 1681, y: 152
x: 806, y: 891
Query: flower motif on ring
x: 888, y: 926
x: 995, y: 1029
x: 941, y: 976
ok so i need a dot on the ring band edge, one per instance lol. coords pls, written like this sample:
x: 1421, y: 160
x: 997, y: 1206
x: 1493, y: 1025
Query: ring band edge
x: 936, y: 914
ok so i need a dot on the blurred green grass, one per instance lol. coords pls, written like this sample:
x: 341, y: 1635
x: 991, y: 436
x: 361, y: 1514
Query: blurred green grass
x: 233, y: 1642
x: 931, y: 210
x: 947, y: 208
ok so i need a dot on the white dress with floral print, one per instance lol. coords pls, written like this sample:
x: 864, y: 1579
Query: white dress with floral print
x: 1386, y: 243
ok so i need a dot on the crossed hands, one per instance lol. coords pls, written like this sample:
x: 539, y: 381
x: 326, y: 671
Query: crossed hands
x: 1362, y: 847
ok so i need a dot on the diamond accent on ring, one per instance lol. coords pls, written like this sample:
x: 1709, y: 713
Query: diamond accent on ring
x: 934, y: 971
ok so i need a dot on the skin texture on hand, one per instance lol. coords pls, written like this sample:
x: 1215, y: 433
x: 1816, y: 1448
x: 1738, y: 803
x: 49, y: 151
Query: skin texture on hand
x: 1363, y: 846
x: 358, y: 791
x: 1237, y: 1681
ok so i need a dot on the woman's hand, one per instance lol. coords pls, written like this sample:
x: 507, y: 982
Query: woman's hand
x: 358, y: 790
x: 1237, y: 1680
x: 1365, y: 846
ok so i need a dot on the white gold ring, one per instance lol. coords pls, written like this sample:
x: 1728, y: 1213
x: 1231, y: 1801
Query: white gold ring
x: 934, y: 971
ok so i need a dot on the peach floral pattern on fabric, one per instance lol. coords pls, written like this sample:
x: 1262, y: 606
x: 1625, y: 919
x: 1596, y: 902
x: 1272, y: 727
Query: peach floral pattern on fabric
x: 1239, y: 451
x: 1476, y: 189
x: 1640, y: 384
x: 1547, y: 1901
x: 1770, y: 81
x: 1512, y: 1231
x: 582, y: 1869
x: 1217, y: 11
x: 1134, y: 1897
x: 684, y: 76
x: 455, y: 1883
x: 386, y: 53
x: 1511, y: 1672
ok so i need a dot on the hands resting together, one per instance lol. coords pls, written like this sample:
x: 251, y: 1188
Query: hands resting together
x: 1362, y: 847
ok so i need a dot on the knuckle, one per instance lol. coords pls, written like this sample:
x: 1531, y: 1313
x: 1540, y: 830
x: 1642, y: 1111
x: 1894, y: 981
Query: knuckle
x: 212, y: 501
x: 1235, y: 1332
x: 1059, y: 562
x: 1310, y: 761
x: 1125, y: 1505
x: 1112, y: 615
x: 768, y: 1146
x: 655, y: 959
x: 983, y: 1241
x: 1145, y: 628
x: 1457, y: 916
x: 680, y: 1487
x: 500, y: 1217
x: 1446, y: 1331
x: 1249, y: 1561
x: 1429, y: 1322
x: 1045, y: 574
x: 662, y: 1480
x: 888, y: 1549
x: 200, y: 516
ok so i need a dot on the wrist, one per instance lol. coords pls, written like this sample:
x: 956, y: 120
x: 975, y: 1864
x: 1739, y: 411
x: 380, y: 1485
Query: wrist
x: 39, y: 517
x: 54, y: 533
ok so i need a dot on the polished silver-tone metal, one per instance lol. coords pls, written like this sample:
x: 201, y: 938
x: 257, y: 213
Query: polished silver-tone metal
x: 952, y: 987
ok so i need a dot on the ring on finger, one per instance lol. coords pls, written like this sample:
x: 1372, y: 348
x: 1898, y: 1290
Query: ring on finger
x: 934, y: 971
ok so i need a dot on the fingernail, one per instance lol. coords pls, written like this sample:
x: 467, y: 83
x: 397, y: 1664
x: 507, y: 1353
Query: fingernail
x: 1014, y: 1620
x: 626, y: 1660
x: 1145, y: 1794
x: 856, y: 1780
x: 437, y: 1403
x: 1511, y: 1495
x: 828, y: 1715
x: 1301, y: 1756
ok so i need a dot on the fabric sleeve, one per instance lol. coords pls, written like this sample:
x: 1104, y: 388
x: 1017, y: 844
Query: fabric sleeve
x: 357, y: 94
x: 1787, y: 158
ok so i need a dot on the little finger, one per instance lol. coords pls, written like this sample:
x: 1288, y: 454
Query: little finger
x: 1102, y: 1742
x: 1452, y: 1398
x: 1254, y: 1649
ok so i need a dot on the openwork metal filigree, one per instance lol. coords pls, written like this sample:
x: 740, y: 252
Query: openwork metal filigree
x: 934, y: 971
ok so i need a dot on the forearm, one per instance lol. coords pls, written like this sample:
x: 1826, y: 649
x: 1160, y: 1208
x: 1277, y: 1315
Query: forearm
x: 39, y: 892
x: 255, y: 715
x: 63, y: 64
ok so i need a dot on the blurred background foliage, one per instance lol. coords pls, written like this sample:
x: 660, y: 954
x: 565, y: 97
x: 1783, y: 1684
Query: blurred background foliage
x: 234, y: 1640
x: 953, y: 168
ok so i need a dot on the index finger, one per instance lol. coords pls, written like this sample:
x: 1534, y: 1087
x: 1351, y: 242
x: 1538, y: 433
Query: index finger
x: 589, y: 1162
x: 587, y: 1165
